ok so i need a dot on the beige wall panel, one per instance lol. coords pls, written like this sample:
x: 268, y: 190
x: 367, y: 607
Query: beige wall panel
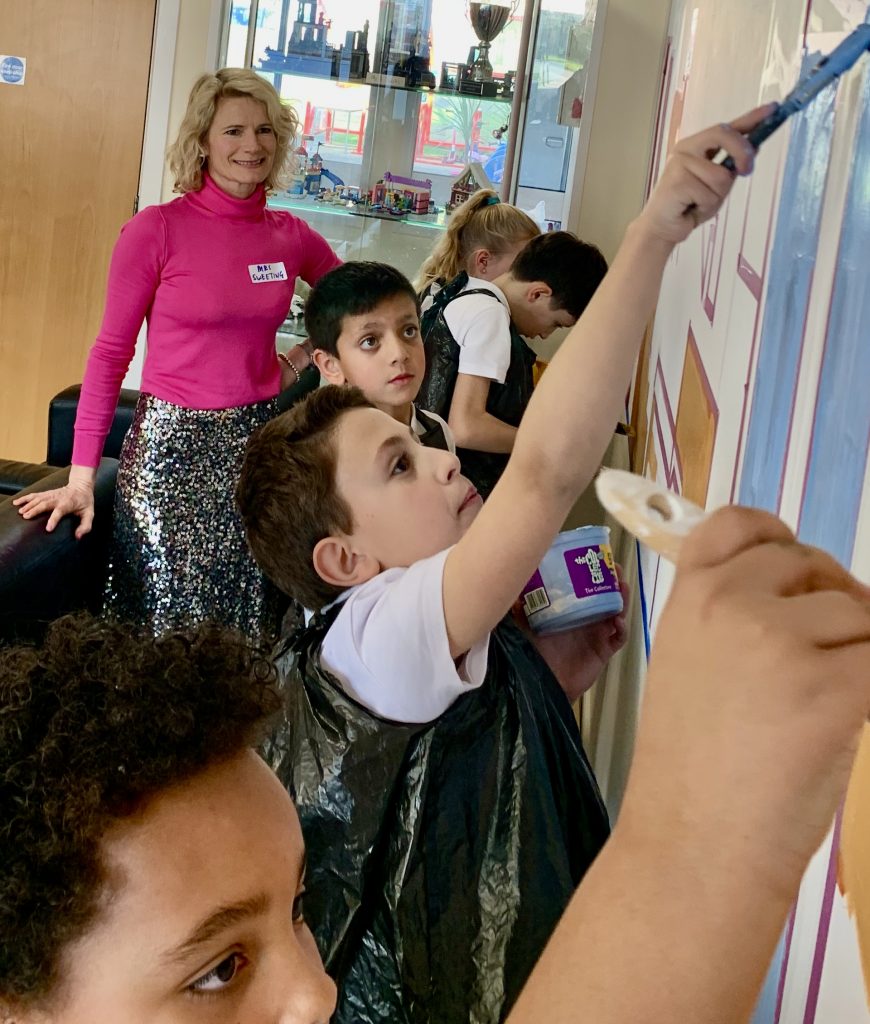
x: 68, y: 180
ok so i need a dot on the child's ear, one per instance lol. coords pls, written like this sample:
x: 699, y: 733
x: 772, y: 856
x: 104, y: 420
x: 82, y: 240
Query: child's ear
x: 480, y: 259
x: 538, y: 290
x: 329, y: 366
x: 336, y: 562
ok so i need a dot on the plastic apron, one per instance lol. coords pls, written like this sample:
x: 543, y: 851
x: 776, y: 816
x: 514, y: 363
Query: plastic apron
x: 440, y: 857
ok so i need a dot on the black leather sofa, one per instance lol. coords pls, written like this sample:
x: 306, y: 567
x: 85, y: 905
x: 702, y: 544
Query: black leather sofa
x: 46, y: 575
x: 16, y: 476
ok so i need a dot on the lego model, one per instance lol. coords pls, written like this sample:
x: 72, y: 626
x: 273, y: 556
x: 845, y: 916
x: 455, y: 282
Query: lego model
x: 309, y: 53
x: 353, y: 57
x: 403, y: 195
x: 472, y: 178
x: 394, y: 197
x: 402, y: 46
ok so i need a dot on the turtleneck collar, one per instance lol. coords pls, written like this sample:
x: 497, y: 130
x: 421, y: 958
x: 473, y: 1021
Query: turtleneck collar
x: 217, y: 201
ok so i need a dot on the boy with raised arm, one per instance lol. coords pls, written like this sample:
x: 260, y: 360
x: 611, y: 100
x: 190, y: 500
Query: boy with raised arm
x: 435, y: 764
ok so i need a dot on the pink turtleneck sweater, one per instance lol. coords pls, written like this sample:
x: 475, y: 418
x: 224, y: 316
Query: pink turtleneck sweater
x: 214, y: 276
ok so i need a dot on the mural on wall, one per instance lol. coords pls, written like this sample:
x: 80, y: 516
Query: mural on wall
x: 753, y: 383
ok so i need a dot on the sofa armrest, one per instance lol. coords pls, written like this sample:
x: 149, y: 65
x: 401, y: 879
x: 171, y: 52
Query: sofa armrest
x: 15, y: 476
x: 62, y: 411
x: 46, y: 575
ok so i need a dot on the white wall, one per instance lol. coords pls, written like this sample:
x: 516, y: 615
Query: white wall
x: 623, y: 120
x: 726, y: 56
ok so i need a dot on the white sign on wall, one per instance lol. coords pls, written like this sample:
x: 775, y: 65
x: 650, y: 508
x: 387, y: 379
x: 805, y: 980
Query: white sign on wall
x: 12, y: 69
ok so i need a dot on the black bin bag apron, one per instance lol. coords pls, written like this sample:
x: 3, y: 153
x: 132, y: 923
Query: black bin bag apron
x: 440, y: 857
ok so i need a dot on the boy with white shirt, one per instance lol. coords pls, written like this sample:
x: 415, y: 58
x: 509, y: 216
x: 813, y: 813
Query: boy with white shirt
x: 478, y: 367
x: 447, y: 849
x: 363, y: 322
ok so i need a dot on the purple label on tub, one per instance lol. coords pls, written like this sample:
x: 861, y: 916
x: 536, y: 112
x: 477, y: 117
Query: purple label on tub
x: 534, y: 595
x: 591, y: 570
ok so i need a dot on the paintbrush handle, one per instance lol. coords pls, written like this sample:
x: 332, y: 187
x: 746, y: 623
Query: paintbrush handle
x: 758, y: 134
x: 658, y: 517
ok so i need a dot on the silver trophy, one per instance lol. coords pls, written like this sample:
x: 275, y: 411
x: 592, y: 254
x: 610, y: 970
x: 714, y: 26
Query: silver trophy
x: 487, y: 20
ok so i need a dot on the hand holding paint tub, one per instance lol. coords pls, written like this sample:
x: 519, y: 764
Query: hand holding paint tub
x: 575, y: 585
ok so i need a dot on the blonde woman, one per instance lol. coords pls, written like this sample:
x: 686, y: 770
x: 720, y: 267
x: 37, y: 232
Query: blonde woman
x: 213, y: 273
x: 483, y: 238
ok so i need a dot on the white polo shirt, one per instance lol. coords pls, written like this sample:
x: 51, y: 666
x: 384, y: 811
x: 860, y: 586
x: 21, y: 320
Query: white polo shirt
x: 481, y: 326
x: 388, y: 646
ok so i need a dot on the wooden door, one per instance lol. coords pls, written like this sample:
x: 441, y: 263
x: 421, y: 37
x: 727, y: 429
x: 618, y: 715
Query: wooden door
x: 69, y: 172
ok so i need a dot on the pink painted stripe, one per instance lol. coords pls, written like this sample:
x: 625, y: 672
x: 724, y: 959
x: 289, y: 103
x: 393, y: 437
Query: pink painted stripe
x: 807, y: 22
x: 749, y: 276
x: 670, y: 477
x: 672, y: 423
x: 710, y: 302
x: 655, y: 591
x: 824, y: 927
x: 658, y: 135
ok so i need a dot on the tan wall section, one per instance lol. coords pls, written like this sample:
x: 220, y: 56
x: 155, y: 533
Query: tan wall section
x: 72, y: 142
x: 623, y: 119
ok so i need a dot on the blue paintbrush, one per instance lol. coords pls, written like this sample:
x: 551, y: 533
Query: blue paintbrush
x: 829, y: 68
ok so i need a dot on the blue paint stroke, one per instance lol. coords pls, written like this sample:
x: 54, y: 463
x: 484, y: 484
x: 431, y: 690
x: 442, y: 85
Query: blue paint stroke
x: 792, y: 262
x: 791, y: 267
x: 643, y: 605
x: 841, y: 435
x: 841, y: 432
x: 765, y: 1008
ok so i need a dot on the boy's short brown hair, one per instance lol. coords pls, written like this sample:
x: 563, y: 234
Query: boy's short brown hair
x: 287, y: 493
x: 354, y: 288
x: 570, y: 268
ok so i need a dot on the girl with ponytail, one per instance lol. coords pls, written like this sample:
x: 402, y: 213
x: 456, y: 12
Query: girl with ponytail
x: 483, y: 237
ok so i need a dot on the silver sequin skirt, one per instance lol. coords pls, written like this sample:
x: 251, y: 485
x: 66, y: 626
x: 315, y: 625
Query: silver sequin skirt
x: 179, y: 554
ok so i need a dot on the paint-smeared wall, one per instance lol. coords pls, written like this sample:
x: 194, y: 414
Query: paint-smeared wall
x: 755, y: 382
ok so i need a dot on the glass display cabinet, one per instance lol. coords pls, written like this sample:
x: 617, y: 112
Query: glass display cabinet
x: 407, y: 106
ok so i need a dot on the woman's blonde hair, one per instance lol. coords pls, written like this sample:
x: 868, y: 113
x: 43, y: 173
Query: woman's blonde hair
x: 482, y: 222
x: 187, y: 156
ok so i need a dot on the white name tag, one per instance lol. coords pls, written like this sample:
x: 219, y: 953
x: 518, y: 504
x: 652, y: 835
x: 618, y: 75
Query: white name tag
x: 263, y: 272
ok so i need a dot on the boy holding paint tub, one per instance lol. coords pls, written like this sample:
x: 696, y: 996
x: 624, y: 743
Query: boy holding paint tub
x: 434, y: 760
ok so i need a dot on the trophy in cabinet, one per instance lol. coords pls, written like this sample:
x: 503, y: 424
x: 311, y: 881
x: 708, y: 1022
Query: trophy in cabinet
x: 487, y: 20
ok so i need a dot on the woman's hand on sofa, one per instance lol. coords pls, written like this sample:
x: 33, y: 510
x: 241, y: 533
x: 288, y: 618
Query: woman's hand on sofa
x: 76, y: 498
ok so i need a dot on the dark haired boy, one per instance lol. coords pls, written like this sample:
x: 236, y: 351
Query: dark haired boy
x: 363, y: 320
x: 479, y: 368
x: 435, y: 762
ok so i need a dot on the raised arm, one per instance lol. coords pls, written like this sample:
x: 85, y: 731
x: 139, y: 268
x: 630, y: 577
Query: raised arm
x: 573, y: 411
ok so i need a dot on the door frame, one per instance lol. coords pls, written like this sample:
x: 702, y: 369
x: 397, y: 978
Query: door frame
x: 158, y: 106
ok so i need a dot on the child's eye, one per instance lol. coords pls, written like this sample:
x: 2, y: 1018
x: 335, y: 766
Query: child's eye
x: 369, y: 343
x: 411, y: 331
x: 401, y: 465
x: 220, y: 976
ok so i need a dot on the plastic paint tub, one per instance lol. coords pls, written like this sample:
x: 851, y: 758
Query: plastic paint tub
x: 576, y: 583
